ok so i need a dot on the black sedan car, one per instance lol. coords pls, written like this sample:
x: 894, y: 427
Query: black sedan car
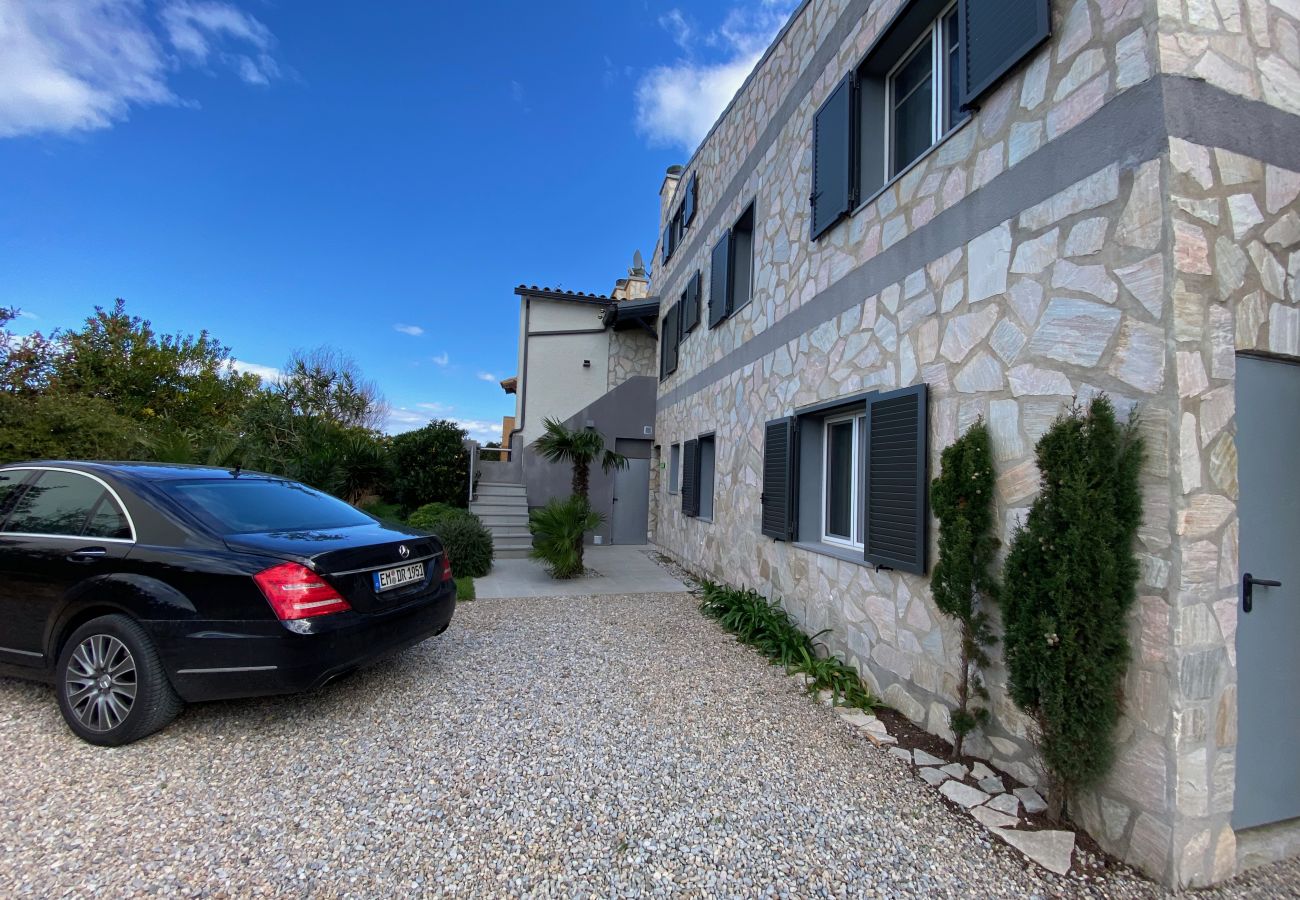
x: 138, y: 587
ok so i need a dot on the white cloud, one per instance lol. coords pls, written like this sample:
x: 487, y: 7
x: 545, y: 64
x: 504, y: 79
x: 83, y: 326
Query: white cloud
x: 403, y: 418
x: 674, y: 22
x: 488, y: 376
x: 442, y: 359
x: 677, y: 104
x: 27, y: 314
x: 266, y: 373
x: 412, y: 330
x: 80, y: 65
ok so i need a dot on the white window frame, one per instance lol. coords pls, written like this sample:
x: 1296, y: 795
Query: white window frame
x: 939, y: 129
x: 855, y: 540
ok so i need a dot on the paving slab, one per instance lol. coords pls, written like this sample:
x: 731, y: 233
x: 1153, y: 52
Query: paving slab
x: 617, y: 568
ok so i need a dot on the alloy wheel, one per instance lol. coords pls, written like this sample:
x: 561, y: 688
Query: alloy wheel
x: 101, y: 682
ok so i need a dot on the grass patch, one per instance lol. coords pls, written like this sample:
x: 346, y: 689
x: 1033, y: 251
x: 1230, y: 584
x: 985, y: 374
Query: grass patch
x: 764, y: 625
x: 464, y: 588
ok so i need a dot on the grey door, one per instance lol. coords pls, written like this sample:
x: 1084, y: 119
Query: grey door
x: 1268, y: 637
x: 632, y: 502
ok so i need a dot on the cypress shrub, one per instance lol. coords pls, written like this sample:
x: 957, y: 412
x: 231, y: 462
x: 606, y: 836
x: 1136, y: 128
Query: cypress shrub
x: 1069, y: 583
x: 962, y: 498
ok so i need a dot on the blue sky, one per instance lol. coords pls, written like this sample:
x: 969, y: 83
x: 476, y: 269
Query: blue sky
x: 375, y: 176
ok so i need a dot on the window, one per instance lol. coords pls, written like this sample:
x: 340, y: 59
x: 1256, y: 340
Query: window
x: 708, y: 465
x: 690, y: 304
x: 932, y: 61
x: 731, y: 280
x: 60, y: 503
x: 675, y: 468
x: 699, y: 459
x: 107, y: 520
x: 924, y: 99
x: 670, y: 335
x: 675, y: 230
x: 263, y: 505
x: 841, y: 483
x: 849, y: 478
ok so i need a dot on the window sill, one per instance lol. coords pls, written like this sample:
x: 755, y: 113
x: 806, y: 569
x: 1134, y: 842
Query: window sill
x: 844, y: 553
x: 875, y: 195
x: 703, y: 519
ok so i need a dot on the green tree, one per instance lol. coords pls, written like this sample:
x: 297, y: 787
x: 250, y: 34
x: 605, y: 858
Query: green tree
x: 65, y: 426
x: 962, y: 498
x: 579, y: 448
x: 1070, y: 581
x: 119, y: 358
x: 26, y: 361
x: 327, y: 384
x: 430, y: 465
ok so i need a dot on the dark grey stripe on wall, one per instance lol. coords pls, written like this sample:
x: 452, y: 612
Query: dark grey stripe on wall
x: 1132, y: 128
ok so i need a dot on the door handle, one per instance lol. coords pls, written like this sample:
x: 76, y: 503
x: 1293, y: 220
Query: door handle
x: 87, y: 554
x: 1248, y: 583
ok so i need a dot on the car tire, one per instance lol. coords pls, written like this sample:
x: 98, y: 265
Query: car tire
x: 111, y: 684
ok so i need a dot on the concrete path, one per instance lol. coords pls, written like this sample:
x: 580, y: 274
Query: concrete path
x: 624, y: 569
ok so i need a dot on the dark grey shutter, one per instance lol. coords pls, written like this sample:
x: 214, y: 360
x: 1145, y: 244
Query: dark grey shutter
x: 832, y: 155
x: 720, y: 280
x: 691, y: 479
x: 688, y: 204
x: 668, y: 240
x: 691, y: 304
x: 778, y: 479
x: 996, y: 35
x: 668, y: 339
x: 896, y: 483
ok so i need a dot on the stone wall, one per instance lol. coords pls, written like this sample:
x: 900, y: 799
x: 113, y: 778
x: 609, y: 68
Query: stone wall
x: 1236, y: 258
x: 1058, y: 245
x: 632, y: 353
x: 1248, y: 47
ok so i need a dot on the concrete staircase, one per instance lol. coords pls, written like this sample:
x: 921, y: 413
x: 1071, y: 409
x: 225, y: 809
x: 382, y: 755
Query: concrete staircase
x: 503, y: 509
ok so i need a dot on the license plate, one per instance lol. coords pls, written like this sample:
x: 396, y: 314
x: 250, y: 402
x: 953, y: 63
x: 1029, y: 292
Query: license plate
x: 395, y: 578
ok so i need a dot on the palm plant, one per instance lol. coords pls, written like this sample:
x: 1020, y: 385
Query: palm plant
x: 579, y: 448
x: 557, y: 530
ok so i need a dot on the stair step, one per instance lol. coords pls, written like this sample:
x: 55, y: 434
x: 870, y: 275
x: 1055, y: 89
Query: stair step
x: 490, y: 487
x: 498, y: 504
x: 503, y: 516
x: 511, y: 553
x: 509, y: 531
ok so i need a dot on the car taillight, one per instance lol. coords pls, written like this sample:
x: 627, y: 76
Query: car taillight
x: 296, y: 592
x: 446, y: 566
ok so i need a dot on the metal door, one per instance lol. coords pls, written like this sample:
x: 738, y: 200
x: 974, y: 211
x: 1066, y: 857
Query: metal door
x: 1268, y: 637
x: 632, y: 502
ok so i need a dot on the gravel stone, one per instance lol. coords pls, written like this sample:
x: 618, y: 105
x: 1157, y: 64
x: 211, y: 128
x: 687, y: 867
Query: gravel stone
x: 608, y: 746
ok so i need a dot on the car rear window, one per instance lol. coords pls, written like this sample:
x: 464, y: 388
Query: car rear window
x: 262, y: 505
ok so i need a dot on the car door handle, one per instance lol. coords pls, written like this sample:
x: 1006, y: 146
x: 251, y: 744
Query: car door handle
x: 87, y: 554
x: 1248, y: 583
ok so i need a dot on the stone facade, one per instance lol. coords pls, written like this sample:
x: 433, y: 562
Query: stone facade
x: 631, y: 353
x: 1059, y: 244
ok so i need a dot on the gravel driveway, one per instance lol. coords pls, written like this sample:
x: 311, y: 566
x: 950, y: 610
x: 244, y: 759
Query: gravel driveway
x: 597, y: 746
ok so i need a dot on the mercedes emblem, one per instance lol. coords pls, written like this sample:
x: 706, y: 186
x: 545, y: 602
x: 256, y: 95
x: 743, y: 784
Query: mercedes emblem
x: 403, y: 551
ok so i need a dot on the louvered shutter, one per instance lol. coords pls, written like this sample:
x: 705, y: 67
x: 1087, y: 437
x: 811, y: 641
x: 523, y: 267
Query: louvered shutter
x: 896, y: 483
x: 996, y: 35
x: 778, y: 479
x: 668, y: 340
x: 832, y: 158
x: 720, y: 279
x: 688, y: 204
x: 668, y: 238
x: 691, y: 479
x: 691, y: 304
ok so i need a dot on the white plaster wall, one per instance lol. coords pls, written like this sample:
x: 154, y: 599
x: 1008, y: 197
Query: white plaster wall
x: 557, y: 385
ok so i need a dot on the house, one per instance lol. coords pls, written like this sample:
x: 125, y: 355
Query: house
x: 588, y: 361
x: 915, y: 214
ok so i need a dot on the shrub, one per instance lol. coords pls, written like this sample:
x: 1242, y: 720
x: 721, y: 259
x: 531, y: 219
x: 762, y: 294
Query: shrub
x: 467, y: 542
x: 387, y: 512
x: 962, y: 498
x: 558, y: 529
x: 432, y: 515
x: 430, y: 465
x: 1069, y: 583
x: 766, y: 626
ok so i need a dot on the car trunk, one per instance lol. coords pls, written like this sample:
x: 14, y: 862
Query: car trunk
x: 351, y: 558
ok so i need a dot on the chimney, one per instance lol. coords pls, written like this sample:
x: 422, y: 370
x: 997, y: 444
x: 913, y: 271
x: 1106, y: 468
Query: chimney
x: 666, y: 193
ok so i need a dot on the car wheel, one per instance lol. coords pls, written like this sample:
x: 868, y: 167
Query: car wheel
x: 111, y: 683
